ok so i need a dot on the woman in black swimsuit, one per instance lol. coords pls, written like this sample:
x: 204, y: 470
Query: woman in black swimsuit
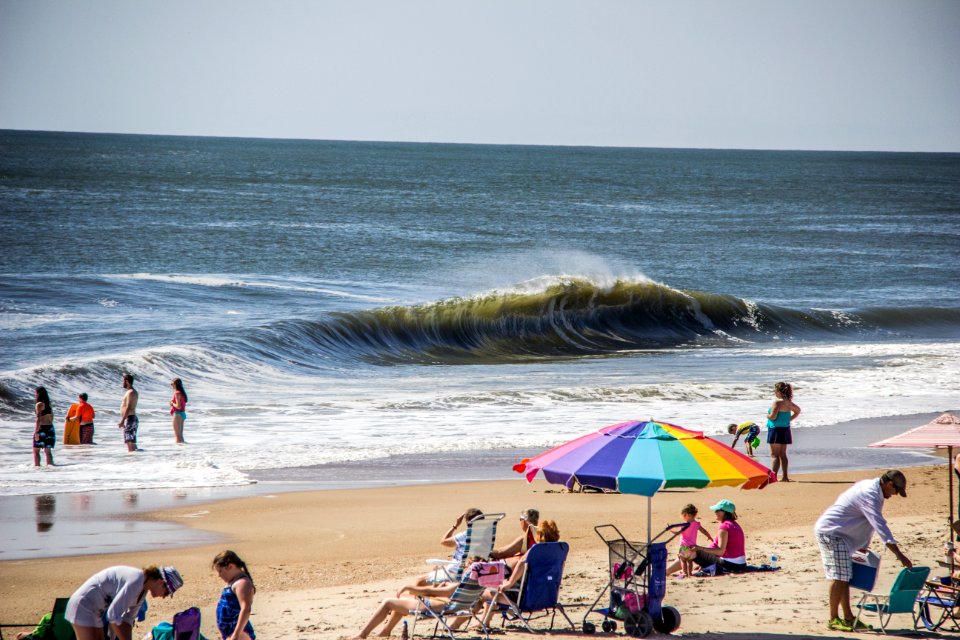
x: 44, y: 434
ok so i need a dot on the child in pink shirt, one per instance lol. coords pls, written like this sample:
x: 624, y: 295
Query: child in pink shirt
x: 688, y: 539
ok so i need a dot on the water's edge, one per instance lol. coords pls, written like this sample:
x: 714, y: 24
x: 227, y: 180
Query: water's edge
x: 70, y: 524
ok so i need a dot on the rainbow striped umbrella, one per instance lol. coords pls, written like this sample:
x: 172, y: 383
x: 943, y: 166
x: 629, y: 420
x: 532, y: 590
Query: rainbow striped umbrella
x: 644, y: 457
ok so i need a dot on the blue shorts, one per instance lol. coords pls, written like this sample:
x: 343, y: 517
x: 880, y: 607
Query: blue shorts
x: 779, y: 435
x: 45, y: 437
x: 130, y: 426
x: 753, y: 433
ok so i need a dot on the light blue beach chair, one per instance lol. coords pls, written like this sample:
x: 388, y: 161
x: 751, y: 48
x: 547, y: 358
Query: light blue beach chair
x: 481, y: 538
x: 901, y: 599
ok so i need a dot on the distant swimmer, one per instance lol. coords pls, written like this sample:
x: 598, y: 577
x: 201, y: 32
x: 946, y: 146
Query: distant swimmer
x: 178, y: 409
x: 751, y: 432
x: 44, y: 435
x: 83, y: 411
x: 128, y: 413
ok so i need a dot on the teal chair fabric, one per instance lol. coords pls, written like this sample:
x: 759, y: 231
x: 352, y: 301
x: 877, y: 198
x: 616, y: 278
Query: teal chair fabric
x: 901, y: 599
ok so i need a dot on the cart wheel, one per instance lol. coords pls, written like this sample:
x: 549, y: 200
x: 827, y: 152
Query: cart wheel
x: 609, y: 626
x: 638, y: 625
x: 589, y: 628
x: 669, y: 622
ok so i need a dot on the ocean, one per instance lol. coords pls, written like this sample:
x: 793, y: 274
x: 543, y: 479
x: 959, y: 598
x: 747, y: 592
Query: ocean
x: 340, y: 305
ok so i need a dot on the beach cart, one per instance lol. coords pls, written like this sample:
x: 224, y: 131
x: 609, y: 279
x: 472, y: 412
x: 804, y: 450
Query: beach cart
x: 636, y: 586
x: 642, y: 458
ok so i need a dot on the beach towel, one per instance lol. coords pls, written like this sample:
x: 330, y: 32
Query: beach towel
x: 721, y: 569
x: 488, y: 574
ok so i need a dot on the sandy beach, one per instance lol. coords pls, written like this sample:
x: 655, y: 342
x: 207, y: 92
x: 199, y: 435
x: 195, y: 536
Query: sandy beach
x: 322, y: 560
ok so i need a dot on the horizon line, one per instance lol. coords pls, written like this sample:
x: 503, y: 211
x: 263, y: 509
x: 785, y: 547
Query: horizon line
x: 479, y: 144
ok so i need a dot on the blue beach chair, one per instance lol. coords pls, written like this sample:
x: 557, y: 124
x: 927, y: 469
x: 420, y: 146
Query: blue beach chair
x: 942, y: 597
x: 539, y: 592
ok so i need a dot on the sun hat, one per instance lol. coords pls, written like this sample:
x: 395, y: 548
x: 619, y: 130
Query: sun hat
x: 171, y: 578
x: 724, y: 505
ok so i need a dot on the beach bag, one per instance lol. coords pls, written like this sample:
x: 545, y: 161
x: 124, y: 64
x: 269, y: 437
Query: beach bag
x: 489, y: 574
x: 622, y: 574
x: 164, y: 631
x: 626, y: 602
x: 186, y: 626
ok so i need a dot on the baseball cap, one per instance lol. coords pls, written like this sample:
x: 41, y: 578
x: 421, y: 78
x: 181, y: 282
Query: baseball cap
x: 898, y: 479
x: 724, y: 505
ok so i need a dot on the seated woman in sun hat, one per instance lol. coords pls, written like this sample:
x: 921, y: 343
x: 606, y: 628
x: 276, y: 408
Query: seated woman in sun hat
x: 118, y: 593
x: 727, y: 551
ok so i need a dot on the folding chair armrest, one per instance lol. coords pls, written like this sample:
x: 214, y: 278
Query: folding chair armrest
x: 939, y: 586
x: 437, y: 562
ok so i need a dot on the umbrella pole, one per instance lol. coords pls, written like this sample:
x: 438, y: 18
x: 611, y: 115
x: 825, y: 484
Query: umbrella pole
x: 950, y: 484
x: 650, y: 515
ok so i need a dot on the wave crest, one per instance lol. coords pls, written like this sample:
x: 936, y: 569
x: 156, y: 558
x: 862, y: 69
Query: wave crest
x: 571, y: 318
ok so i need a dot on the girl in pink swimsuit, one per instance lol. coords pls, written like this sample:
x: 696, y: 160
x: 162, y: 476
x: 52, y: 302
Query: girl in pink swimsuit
x: 688, y: 539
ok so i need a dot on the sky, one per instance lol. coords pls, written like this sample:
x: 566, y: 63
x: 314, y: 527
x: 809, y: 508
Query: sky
x: 764, y: 74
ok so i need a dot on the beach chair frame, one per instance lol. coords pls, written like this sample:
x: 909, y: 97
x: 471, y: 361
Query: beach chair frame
x: 481, y: 539
x: 902, y: 597
x: 938, y: 596
x: 464, y: 603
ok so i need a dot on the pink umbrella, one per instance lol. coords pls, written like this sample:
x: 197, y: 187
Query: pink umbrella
x: 942, y: 432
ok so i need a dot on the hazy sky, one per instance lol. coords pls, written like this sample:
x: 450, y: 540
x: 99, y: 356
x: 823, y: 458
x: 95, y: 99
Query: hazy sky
x: 797, y: 74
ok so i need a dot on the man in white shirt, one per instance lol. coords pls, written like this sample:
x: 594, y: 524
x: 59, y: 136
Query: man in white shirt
x: 848, y: 525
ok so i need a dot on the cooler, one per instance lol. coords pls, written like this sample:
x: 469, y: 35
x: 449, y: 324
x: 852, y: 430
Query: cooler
x: 865, y: 567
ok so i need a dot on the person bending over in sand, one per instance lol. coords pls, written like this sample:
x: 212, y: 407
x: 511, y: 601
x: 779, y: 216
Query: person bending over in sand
x: 511, y: 554
x: 547, y: 531
x: 728, y: 549
x: 749, y: 430
x: 129, y: 421
x: 458, y: 541
x: 779, y: 417
x: 848, y: 525
x: 236, y: 599
x: 115, y: 595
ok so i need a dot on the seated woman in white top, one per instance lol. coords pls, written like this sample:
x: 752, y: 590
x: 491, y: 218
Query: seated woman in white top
x: 450, y: 539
